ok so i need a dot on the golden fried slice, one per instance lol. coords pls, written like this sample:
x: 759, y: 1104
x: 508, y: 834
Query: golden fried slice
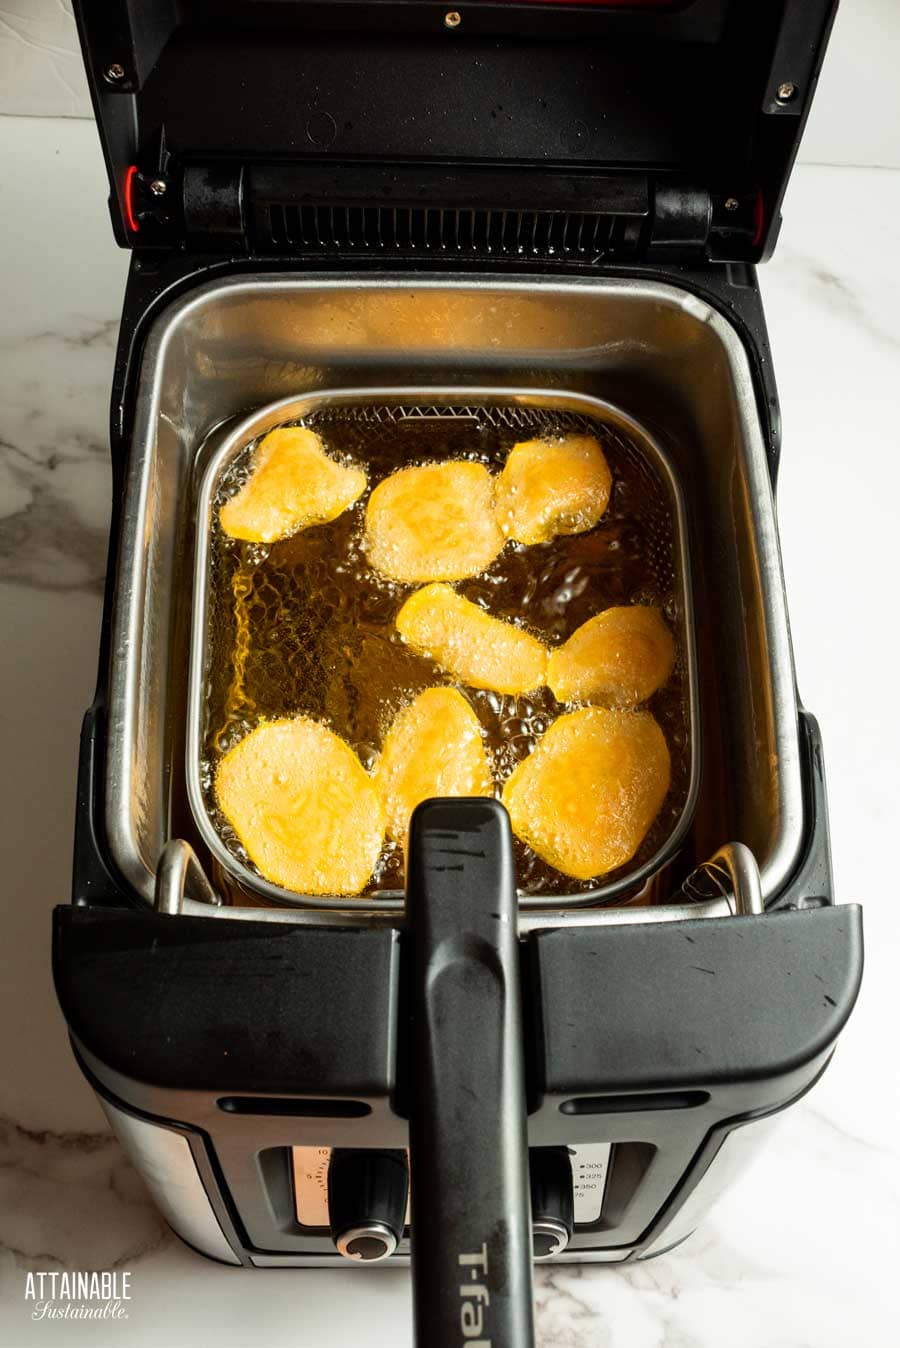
x: 585, y: 798
x: 294, y: 484
x: 435, y: 522
x: 303, y: 806
x: 620, y: 656
x: 477, y: 649
x: 551, y: 487
x: 434, y: 748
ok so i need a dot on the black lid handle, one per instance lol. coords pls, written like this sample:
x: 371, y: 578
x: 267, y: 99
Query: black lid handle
x: 471, y: 1237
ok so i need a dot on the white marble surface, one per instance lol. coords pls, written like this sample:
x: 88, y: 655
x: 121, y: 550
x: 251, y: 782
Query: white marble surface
x: 41, y: 70
x: 853, y: 120
x: 801, y: 1254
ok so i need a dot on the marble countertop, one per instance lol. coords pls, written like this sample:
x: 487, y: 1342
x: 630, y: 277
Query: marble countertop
x: 800, y: 1254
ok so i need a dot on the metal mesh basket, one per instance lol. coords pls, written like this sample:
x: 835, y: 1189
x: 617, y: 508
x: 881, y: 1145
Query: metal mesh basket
x: 304, y: 626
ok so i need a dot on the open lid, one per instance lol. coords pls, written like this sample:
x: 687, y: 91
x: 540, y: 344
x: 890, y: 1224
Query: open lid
x: 600, y: 129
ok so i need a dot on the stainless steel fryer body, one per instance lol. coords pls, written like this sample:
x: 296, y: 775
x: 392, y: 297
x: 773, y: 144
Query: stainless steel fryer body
x: 670, y: 360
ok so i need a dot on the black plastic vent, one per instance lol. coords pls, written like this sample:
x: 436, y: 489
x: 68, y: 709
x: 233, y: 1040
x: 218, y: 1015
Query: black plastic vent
x: 438, y: 231
x: 425, y: 213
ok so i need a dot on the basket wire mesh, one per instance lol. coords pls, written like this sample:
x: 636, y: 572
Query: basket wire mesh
x: 304, y: 626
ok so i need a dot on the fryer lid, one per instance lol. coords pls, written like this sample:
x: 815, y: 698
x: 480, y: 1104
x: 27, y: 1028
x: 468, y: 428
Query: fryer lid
x: 200, y: 98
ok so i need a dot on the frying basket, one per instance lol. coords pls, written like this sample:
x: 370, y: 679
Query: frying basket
x: 371, y: 418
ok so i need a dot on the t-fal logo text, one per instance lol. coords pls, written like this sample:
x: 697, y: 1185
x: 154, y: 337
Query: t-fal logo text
x: 474, y: 1299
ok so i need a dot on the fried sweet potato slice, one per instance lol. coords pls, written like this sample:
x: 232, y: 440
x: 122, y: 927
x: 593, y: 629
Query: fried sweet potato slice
x: 294, y: 484
x: 619, y: 656
x: 434, y: 522
x: 551, y: 487
x: 475, y: 648
x: 585, y: 798
x: 303, y: 806
x: 433, y: 748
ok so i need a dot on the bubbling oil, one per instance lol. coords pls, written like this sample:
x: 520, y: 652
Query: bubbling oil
x: 304, y: 626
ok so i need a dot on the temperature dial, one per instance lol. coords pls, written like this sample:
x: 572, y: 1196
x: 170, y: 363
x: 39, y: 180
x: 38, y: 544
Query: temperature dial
x: 367, y: 1192
x: 552, y: 1207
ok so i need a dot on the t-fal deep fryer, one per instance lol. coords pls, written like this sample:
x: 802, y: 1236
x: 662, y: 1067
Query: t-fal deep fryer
x: 565, y: 198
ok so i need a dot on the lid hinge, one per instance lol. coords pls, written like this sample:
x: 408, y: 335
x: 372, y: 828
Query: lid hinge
x: 692, y: 222
x: 434, y: 212
x: 681, y: 221
x: 213, y: 201
x: 423, y: 210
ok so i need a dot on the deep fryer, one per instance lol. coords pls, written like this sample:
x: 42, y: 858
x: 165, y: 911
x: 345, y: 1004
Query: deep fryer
x: 566, y: 198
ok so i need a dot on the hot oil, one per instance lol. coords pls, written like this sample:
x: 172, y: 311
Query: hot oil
x: 305, y: 627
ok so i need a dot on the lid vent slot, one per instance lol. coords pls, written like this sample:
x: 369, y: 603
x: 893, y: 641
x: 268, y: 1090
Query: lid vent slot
x: 436, y: 231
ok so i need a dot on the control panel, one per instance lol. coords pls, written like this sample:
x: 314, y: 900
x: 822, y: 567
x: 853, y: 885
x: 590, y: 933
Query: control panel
x: 362, y: 1196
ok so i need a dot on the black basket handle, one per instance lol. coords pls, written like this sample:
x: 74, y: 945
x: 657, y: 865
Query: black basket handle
x: 471, y: 1242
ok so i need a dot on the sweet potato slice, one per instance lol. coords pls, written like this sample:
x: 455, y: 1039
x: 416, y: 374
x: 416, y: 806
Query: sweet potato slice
x: 433, y: 748
x: 551, y: 487
x: 434, y: 522
x: 619, y: 656
x: 303, y: 806
x: 294, y: 484
x: 475, y: 648
x: 585, y: 798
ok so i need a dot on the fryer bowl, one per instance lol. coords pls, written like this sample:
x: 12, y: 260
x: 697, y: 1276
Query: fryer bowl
x: 675, y: 364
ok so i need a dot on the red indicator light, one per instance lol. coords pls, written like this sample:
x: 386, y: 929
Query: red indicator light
x: 130, y: 220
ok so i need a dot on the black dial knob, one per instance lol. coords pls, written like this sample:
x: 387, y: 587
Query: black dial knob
x: 552, y: 1203
x: 367, y: 1192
